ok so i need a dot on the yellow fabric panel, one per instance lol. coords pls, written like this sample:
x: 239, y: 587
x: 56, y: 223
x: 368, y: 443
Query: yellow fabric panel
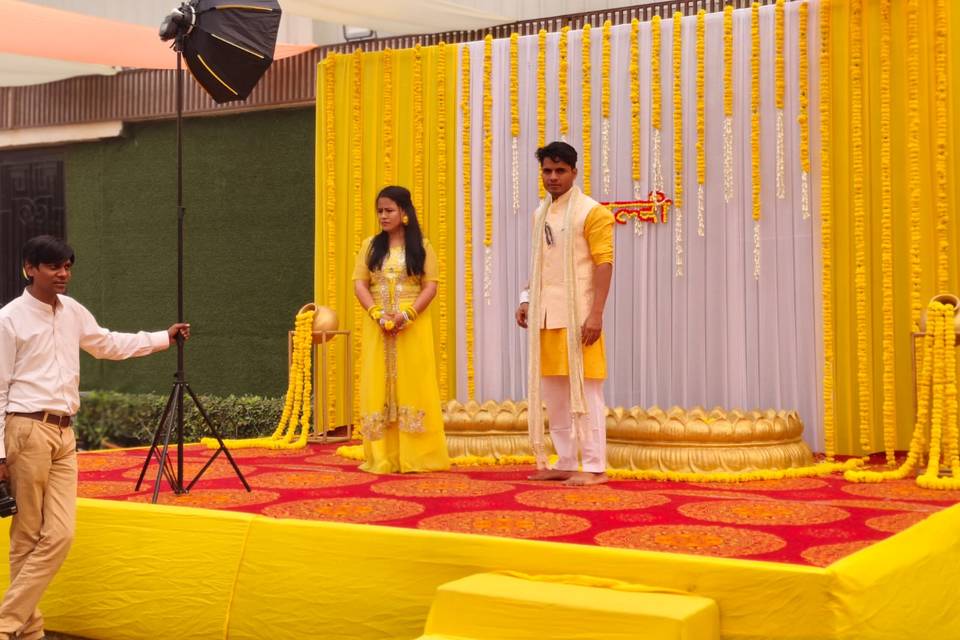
x: 554, y: 360
x: 373, y: 179
x: 498, y: 607
x: 870, y: 584
x: 847, y: 413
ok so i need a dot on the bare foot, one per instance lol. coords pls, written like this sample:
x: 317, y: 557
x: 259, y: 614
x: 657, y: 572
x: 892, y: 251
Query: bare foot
x: 551, y: 474
x: 586, y: 479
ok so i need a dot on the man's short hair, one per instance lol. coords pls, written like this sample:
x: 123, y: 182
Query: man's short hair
x: 47, y: 250
x: 558, y: 152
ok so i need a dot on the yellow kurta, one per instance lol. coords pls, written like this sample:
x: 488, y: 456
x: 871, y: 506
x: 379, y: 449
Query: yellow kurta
x: 400, y: 417
x: 598, y: 230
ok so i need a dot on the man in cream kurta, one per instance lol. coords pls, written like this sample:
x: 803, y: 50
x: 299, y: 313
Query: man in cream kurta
x: 571, y: 269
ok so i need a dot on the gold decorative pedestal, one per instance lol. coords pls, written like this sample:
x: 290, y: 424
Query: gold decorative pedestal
x: 321, y: 342
x: 676, y: 440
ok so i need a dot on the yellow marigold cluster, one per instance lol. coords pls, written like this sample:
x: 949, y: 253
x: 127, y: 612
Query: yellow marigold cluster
x: 488, y: 140
x: 941, y: 65
x: 467, y: 217
x: 677, y: 110
x: 943, y: 413
x: 605, y: 70
x: 564, y: 75
x: 418, y: 132
x: 889, y: 406
x: 701, y: 101
x: 356, y: 187
x: 635, y: 99
x: 656, y: 92
x: 330, y: 195
x: 587, y: 93
x: 441, y: 187
x: 914, y: 194
x: 755, y: 106
x: 514, y: 84
x: 541, y: 96
x: 804, y: 118
x: 728, y: 61
x: 780, y: 72
x: 826, y: 234
x: 389, y: 170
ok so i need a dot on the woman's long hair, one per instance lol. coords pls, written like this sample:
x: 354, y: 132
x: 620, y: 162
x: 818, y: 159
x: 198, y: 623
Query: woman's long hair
x: 413, y: 237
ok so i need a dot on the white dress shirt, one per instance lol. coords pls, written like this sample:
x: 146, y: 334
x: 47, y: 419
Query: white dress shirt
x: 40, y: 354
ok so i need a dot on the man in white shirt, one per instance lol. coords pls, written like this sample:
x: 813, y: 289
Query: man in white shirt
x: 41, y: 334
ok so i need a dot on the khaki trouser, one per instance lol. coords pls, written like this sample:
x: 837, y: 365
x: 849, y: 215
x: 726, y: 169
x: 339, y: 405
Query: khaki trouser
x: 42, y: 461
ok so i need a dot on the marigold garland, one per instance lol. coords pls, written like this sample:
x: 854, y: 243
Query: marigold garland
x: 587, y: 93
x: 678, y: 142
x: 488, y: 168
x: 914, y: 194
x: 701, y: 121
x: 515, y: 120
x: 635, y: 106
x: 864, y: 364
x: 780, y: 90
x: 564, y: 71
x: 889, y: 409
x: 296, y: 406
x: 418, y: 130
x: 541, y: 97
x: 605, y: 107
x: 467, y: 218
x: 330, y: 201
x: 755, y: 130
x: 826, y: 233
x: 389, y: 170
x: 441, y: 187
x: 941, y: 142
x: 804, y: 118
x: 943, y: 428
x: 728, y: 103
x: 356, y: 186
x: 656, y: 103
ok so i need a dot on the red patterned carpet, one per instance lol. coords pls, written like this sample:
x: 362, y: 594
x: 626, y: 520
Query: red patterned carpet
x: 810, y: 521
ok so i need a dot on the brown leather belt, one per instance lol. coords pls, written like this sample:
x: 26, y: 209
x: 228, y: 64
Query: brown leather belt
x: 47, y: 417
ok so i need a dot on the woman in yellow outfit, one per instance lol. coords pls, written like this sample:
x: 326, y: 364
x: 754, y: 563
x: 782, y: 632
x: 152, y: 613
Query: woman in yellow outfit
x: 395, y: 279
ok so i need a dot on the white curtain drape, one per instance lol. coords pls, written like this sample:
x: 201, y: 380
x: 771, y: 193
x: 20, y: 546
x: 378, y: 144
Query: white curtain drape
x: 715, y: 336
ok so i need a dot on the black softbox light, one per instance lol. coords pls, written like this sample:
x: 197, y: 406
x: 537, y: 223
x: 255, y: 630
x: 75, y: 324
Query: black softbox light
x: 228, y: 45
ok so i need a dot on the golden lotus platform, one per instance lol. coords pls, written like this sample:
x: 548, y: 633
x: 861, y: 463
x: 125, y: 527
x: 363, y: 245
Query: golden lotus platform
x: 691, y: 440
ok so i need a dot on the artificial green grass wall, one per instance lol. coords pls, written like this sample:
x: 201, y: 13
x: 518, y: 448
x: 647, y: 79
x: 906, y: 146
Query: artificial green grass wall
x: 248, y: 194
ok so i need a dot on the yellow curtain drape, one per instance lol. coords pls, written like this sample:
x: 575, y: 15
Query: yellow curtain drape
x: 843, y: 147
x: 383, y: 110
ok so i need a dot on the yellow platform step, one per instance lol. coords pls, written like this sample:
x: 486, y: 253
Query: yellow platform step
x: 491, y: 606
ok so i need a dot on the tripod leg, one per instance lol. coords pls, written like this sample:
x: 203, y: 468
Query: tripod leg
x: 177, y: 403
x: 156, y: 438
x: 216, y: 434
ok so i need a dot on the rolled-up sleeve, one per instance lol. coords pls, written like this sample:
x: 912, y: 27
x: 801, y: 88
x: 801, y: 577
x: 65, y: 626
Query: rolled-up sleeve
x: 598, y: 229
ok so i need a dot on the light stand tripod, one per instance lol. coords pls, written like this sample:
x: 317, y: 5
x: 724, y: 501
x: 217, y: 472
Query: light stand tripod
x: 173, y: 413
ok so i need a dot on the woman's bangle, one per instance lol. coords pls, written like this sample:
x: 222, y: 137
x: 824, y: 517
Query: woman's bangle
x: 376, y: 312
x: 410, y: 313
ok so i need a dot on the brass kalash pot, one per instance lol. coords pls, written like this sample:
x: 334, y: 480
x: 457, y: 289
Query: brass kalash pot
x: 324, y: 319
x: 944, y: 298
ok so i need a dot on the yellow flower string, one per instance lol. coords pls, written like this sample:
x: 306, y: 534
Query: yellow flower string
x: 701, y: 121
x: 441, y: 187
x: 488, y: 168
x: 656, y: 103
x: 418, y: 130
x: 755, y: 131
x: 587, y: 93
x: 541, y: 97
x: 861, y: 308
x: 826, y: 233
x: 943, y: 430
x: 389, y: 169
x: 889, y: 407
x: 467, y: 218
x: 941, y: 142
x: 296, y: 405
x: 728, y: 103
x: 678, y: 143
x: 356, y: 187
x: 804, y: 118
x: 330, y: 204
x: 635, y: 106
x: 779, y: 92
x: 914, y: 194
x: 605, y: 108
x: 563, y: 73
x: 515, y: 120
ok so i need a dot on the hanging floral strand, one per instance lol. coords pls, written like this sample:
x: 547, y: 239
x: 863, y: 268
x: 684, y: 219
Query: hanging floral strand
x: 328, y: 68
x: 356, y: 186
x: 515, y: 119
x: 728, y: 103
x: 488, y: 169
x: 541, y: 97
x: 587, y: 93
x: 914, y: 194
x: 678, y: 143
x: 780, y: 91
x: 418, y: 130
x: 441, y: 187
x: 804, y: 118
x: 889, y: 408
x: 826, y: 234
x: 941, y: 143
x: 564, y: 75
x: 635, y: 106
x: 755, y: 130
x: 701, y: 122
x: 605, y: 109
x: 467, y: 217
x: 389, y: 170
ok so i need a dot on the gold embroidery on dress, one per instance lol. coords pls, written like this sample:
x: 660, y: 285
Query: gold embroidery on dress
x: 409, y: 420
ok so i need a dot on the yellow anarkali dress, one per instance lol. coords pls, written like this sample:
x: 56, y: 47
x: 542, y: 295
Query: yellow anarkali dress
x: 400, y: 415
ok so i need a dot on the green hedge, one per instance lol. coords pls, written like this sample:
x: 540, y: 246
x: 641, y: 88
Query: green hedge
x: 126, y: 419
